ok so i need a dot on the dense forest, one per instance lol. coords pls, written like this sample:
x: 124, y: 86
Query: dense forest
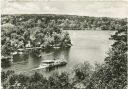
x: 67, y: 22
x: 24, y: 31
x: 112, y: 74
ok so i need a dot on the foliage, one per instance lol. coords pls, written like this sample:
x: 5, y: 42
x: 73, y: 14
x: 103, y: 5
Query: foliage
x: 83, y: 72
x: 117, y: 58
x: 35, y: 81
x: 113, y: 73
x: 67, y: 22
x: 20, y: 31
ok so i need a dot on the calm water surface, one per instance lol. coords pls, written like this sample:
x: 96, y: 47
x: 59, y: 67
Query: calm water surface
x: 90, y: 46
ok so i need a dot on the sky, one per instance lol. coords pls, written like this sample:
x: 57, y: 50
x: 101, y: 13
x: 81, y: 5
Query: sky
x: 100, y: 8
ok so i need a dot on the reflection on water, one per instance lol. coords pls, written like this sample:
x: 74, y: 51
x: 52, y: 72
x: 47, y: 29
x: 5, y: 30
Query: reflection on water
x: 87, y: 46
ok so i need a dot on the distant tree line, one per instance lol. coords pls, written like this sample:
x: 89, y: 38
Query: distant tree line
x: 67, y: 22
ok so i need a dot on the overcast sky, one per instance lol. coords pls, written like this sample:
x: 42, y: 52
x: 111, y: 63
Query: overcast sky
x: 87, y: 8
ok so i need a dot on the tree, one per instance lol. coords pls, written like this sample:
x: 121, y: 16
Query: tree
x: 113, y: 73
x: 117, y: 59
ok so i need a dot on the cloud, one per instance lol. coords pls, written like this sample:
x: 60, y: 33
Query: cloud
x: 27, y: 8
x: 88, y: 8
x: 19, y: 8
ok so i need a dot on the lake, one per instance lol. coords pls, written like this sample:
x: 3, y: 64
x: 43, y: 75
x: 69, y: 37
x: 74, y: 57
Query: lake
x: 91, y: 46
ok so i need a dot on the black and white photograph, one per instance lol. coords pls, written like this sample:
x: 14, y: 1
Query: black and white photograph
x: 64, y: 44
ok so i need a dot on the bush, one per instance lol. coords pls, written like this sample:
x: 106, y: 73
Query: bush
x: 83, y: 72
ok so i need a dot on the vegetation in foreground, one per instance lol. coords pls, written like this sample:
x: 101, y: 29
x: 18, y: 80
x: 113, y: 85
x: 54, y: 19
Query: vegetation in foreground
x: 110, y: 75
